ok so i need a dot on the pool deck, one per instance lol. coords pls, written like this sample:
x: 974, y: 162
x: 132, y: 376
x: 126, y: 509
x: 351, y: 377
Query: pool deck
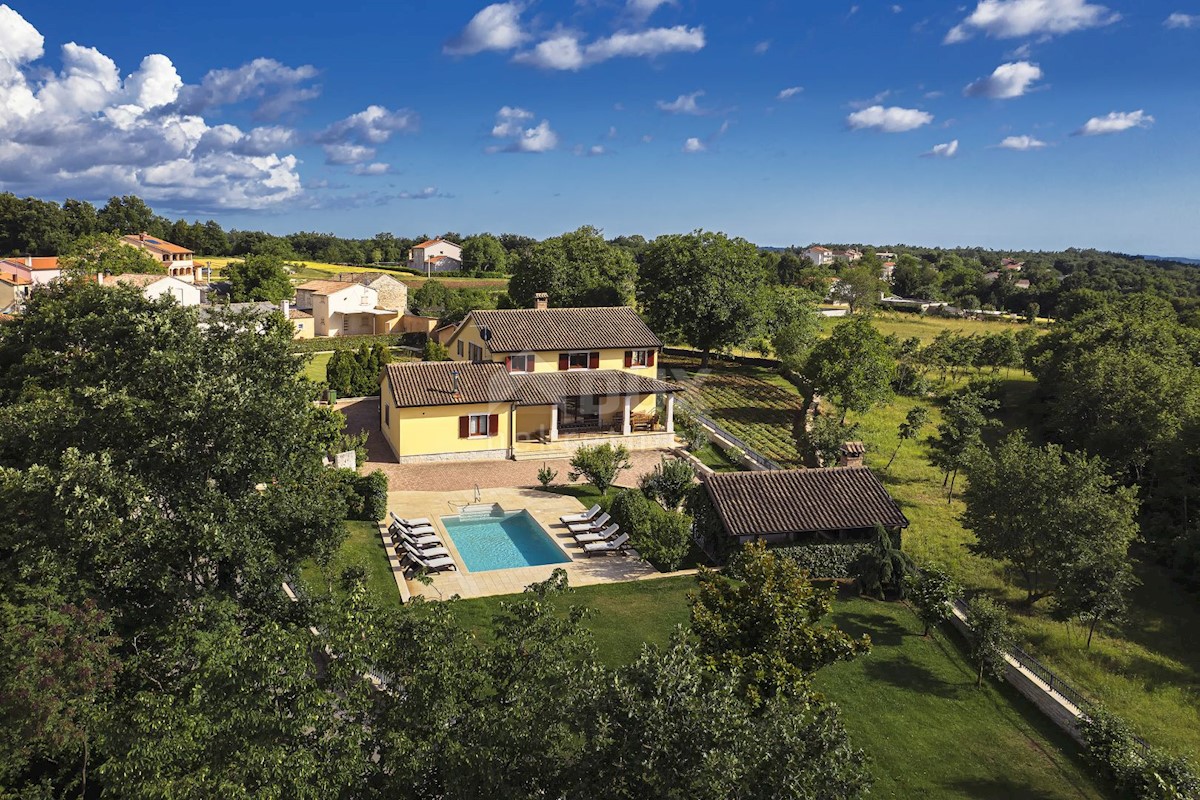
x: 546, y: 508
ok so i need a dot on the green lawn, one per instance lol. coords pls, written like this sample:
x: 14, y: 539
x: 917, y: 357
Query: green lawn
x: 715, y: 459
x: 314, y: 368
x: 927, y: 327
x: 363, y: 547
x: 911, y: 704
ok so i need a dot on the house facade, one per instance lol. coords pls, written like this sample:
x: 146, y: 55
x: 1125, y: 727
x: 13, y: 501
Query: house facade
x: 435, y: 255
x: 156, y: 286
x: 555, y: 380
x: 178, y: 261
x: 343, y: 308
x: 392, y: 293
x: 819, y: 256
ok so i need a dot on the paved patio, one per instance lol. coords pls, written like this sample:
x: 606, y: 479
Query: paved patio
x: 448, y: 476
x: 546, y: 508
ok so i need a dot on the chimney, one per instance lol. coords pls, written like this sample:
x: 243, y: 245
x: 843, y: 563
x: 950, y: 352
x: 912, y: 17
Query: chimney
x: 851, y: 454
x: 541, y: 300
x: 454, y: 378
x: 142, y: 236
x: 29, y: 261
x: 285, y: 307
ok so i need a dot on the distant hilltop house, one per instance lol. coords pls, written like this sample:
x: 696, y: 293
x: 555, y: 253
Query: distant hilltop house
x: 848, y: 256
x: 887, y: 270
x: 819, y: 256
x: 179, y: 261
x: 1012, y: 265
x: 435, y: 255
x: 156, y: 286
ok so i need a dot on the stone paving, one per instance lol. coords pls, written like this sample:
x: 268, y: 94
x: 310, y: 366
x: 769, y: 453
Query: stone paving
x: 363, y: 414
x: 546, y: 508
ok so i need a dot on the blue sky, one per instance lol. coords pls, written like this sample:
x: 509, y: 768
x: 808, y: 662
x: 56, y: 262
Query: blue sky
x: 1003, y: 123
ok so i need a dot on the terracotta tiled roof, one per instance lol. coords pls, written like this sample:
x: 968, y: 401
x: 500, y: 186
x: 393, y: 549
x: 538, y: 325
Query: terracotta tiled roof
x: 324, y: 287
x: 295, y: 313
x: 545, y: 388
x: 534, y: 330
x: 6, y: 317
x: 802, y: 501
x: 43, y: 262
x: 153, y: 243
x: 432, y: 242
x: 141, y: 280
x: 431, y: 383
x: 854, y: 448
x: 819, y: 249
x: 364, y: 278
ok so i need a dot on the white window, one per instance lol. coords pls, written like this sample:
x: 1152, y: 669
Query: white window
x: 639, y: 358
x: 578, y: 360
x: 521, y: 363
x: 478, y: 425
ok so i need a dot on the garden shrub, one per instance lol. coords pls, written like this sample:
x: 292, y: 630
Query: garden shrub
x: 661, y: 537
x: 1138, y: 772
x: 356, y: 373
x: 669, y: 483
x: 832, y: 561
x: 365, y: 495
x: 323, y: 344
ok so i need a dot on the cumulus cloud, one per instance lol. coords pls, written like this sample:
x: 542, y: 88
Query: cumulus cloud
x: 762, y: 47
x: 372, y: 125
x: 590, y: 152
x: 684, y: 104
x: 1021, y: 143
x: 644, y: 8
x: 1115, y: 122
x: 1006, y: 81
x: 376, y: 168
x: 86, y: 132
x: 694, y: 145
x: 946, y: 150
x: 496, y: 27
x: 276, y: 88
x: 1179, y: 20
x: 891, y: 119
x: 565, y: 50
x: 510, y: 126
x: 1013, y: 19
x: 791, y: 91
x: 347, y: 153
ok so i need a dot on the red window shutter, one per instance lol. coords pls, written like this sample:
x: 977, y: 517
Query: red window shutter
x: 593, y: 361
x: 508, y: 363
x: 650, y: 358
x: 563, y: 360
x: 464, y: 427
x: 493, y: 424
x: 628, y: 359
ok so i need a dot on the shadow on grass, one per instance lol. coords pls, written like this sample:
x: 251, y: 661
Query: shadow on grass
x: 904, y: 673
x: 883, y: 632
x: 1002, y: 787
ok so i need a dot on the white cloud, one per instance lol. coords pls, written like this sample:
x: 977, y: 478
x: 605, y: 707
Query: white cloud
x: 496, y: 27
x: 590, y: 152
x: 946, y: 150
x: 644, y: 8
x: 897, y: 9
x: 372, y: 125
x: 791, y: 91
x: 376, y: 168
x: 1013, y: 19
x: 277, y: 88
x: 694, y: 145
x: 1021, y: 143
x: 85, y: 132
x: 762, y: 47
x: 564, y: 51
x: 684, y: 104
x: 347, y: 153
x: 510, y: 125
x: 892, y: 119
x: 1006, y: 81
x: 1115, y: 122
x: 1179, y: 20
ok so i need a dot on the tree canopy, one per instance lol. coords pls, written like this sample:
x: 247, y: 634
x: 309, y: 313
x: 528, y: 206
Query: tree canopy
x: 576, y: 269
x: 258, y: 278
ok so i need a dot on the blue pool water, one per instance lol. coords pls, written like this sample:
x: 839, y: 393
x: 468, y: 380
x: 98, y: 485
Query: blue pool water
x: 502, y: 540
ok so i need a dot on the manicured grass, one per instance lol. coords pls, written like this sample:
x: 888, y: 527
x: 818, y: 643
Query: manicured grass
x: 715, y: 459
x: 364, y: 548
x: 927, y: 327
x: 314, y: 370
x: 755, y: 404
x: 911, y: 704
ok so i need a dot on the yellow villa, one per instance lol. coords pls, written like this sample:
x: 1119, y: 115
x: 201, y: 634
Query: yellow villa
x: 531, y: 383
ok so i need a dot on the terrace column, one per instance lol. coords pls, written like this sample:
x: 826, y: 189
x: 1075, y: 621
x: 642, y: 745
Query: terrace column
x: 626, y: 426
x: 670, y: 413
x: 554, y: 422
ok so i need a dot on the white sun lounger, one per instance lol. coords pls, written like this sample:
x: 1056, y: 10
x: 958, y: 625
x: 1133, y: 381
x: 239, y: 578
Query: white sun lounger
x: 437, y: 564
x: 422, y: 541
x: 416, y: 522
x: 428, y: 549
x: 616, y: 545
x: 582, y: 516
x: 584, y: 527
x: 602, y: 536
x: 421, y: 530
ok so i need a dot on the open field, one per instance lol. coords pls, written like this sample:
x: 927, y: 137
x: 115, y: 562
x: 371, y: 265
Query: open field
x: 926, y: 327
x: 362, y: 548
x: 911, y: 704
x: 312, y: 270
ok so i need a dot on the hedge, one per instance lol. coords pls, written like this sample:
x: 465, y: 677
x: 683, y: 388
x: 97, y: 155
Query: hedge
x: 825, y: 560
x: 365, y: 495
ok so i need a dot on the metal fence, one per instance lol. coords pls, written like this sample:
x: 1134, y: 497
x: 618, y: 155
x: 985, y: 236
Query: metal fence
x: 709, y: 422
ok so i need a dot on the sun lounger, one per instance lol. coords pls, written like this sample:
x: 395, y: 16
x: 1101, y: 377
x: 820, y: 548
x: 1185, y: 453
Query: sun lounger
x: 582, y: 516
x: 595, y: 525
x: 423, y: 541
x: 602, y: 536
x: 428, y: 549
x: 616, y: 545
x: 437, y: 564
x: 415, y: 522
x: 421, y: 530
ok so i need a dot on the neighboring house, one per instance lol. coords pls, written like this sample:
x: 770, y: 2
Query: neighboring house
x: 910, y: 304
x: 831, y: 504
x: 38, y: 270
x: 392, y: 293
x: 991, y: 277
x: 885, y: 256
x: 887, y: 270
x: 848, y: 256
x: 14, y: 290
x: 177, y: 260
x: 1012, y: 265
x: 435, y: 255
x: 342, y: 308
x: 301, y: 320
x: 1022, y: 284
x: 548, y: 380
x: 155, y: 286
x: 819, y: 256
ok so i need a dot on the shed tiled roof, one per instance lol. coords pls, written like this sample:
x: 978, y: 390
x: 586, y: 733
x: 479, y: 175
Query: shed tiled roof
x: 544, y: 388
x: 324, y: 287
x: 531, y: 330
x: 431, y: 383
x: 802, y: 501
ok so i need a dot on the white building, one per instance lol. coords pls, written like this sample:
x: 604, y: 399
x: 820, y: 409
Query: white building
x: 177, y: 260
x: 819, y: 256
x: 341, y: 308
x: 435, y: 255
x: 156, y: 286
x: 37, y: 270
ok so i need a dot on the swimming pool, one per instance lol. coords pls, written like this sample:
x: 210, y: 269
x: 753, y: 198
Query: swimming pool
x: 502, y: 540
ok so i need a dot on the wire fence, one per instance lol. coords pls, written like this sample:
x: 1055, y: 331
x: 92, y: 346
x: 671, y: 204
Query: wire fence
x: 749, y: 451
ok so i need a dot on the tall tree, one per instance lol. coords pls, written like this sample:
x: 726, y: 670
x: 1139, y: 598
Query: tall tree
x: 105, y: 253
x: 258, y: 278
x: 484, y: 253
x: 702, y: 287
x: 576, y: 269
x: 964, y: 419
x: 860, y: 287
x: 853, y: 367
x: 126, y: 215
x: 989, y: 637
